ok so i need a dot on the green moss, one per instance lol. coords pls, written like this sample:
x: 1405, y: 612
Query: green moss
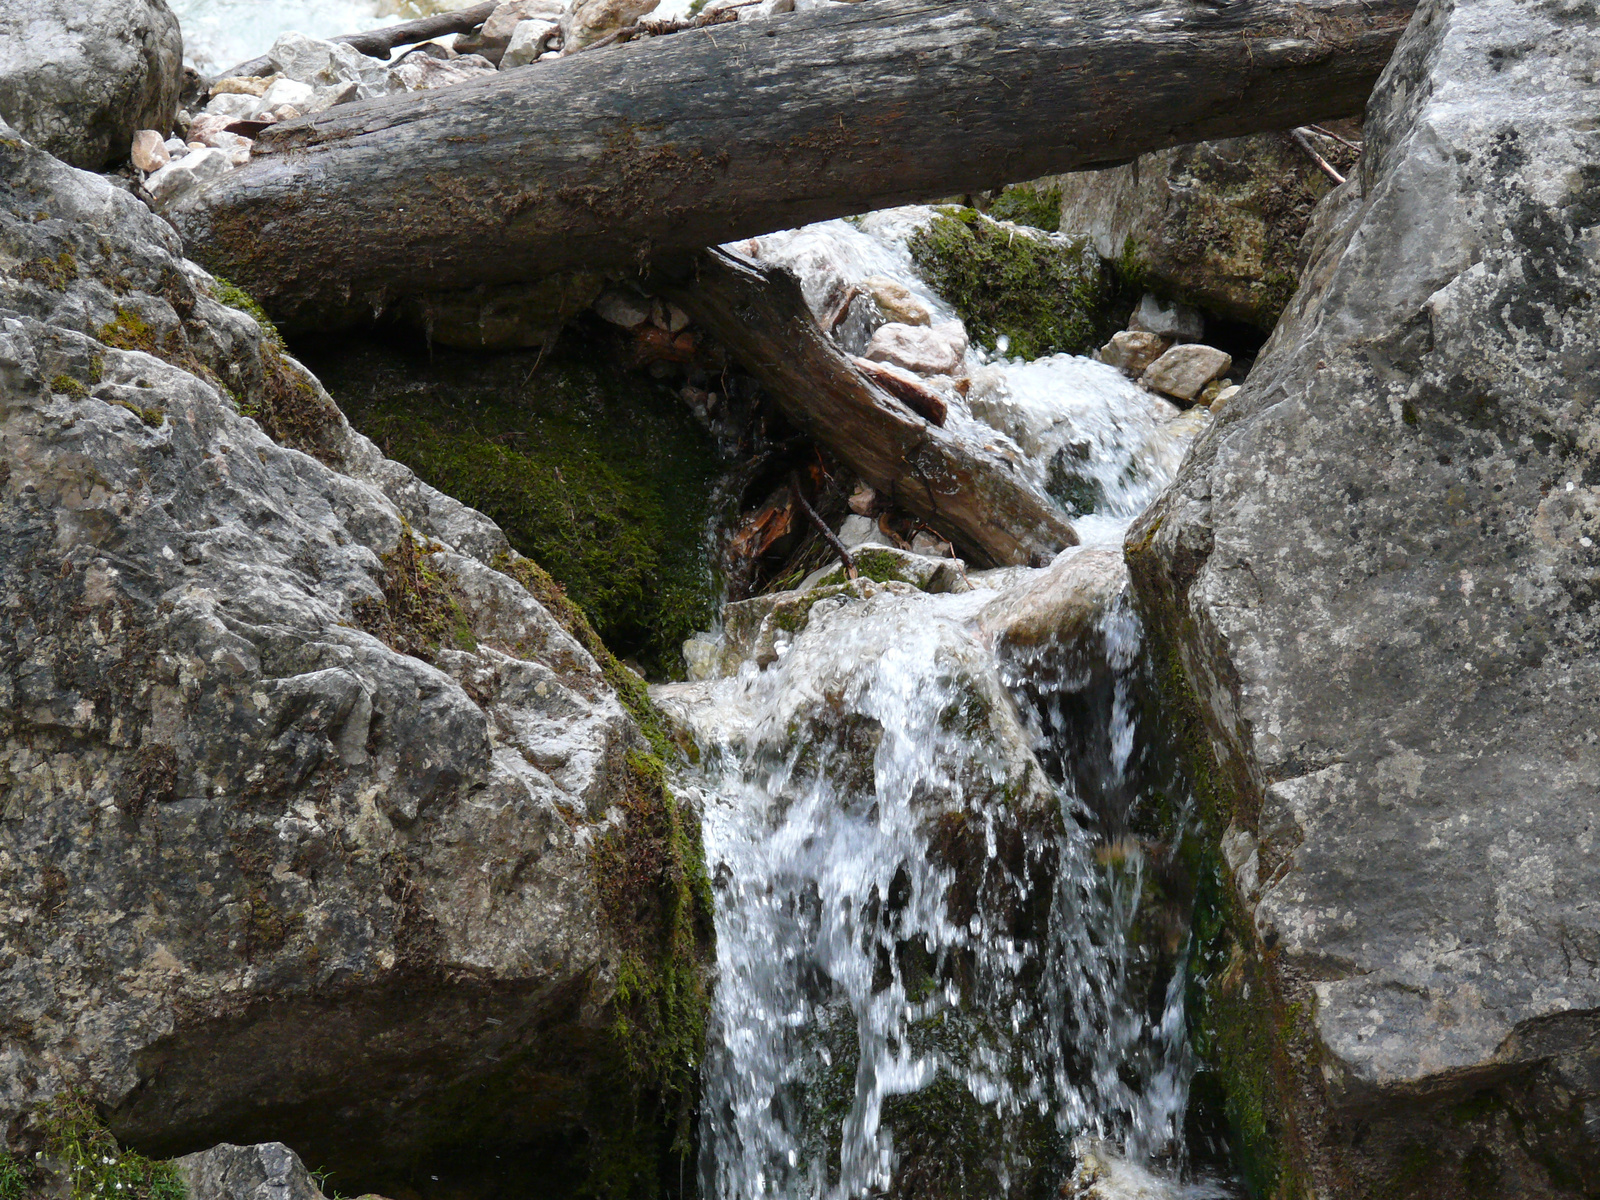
x: 421, y: 612
x: 650, y: 871
x: 1046, y: 296
x: 600, y: 476
x: 1026, y: 204
x: 68, y: 386
x: 236, y: 297
x: 129, y: 331
x: 55, y: 273
x: 94, y: 1165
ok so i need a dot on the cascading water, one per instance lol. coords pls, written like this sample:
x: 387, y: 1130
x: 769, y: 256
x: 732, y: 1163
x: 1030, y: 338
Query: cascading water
x: 933, y: 924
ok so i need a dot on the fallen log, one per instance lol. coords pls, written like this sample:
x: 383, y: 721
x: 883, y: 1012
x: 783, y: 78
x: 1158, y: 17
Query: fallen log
x: 377, y: 43
x: 952, y: 480
x: 608, y: 158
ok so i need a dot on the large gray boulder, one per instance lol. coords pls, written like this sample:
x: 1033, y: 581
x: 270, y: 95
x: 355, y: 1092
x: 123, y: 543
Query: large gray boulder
x: 315, y: 824
x: 1216, y: 224
x: 79, y: 77
x: 270, y: 1171
x: 1376, y: 587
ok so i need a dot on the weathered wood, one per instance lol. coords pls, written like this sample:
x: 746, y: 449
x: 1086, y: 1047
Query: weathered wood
x: 948, y: 478
x: 605, y: 159
x: 377, y: 43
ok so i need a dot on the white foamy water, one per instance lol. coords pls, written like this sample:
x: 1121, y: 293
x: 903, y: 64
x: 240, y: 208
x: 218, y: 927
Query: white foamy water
x: 218, y: 34
x: 906, y: 816
x: 1081, y: 432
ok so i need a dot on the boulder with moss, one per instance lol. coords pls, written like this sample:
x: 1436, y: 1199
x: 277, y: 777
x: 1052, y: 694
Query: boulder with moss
x: 600, y: 474
x: 1375, y: 591
x: 1020, y: 290
x: 324, y: 817
x: 1216, y: 224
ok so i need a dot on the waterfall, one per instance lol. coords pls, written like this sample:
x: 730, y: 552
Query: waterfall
x: 936, y: 951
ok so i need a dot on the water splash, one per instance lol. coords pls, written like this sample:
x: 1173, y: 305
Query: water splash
x: 939, y: 965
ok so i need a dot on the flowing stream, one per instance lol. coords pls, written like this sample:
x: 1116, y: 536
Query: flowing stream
x: 935, y: 965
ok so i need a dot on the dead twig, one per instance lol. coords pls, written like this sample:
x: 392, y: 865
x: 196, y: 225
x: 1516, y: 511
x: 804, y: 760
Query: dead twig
x: 1326, y: 167
x: 822, y: 526
x: 1328, y: 133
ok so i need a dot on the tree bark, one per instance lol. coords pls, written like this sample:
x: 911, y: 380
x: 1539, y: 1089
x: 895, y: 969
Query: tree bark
x: 609, y: 158
x: 948, y: 477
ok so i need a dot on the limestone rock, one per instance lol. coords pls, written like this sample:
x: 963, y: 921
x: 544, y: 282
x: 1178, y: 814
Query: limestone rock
x: 78, y: 77
x: 270, y: 1171
x: 926, y: 350
x: 1218, y: 223
x: 1132, y: 350
x: 418, y: 72
x: 587, y: 21
x: 150, y: 151
x: 194, y: 170
x: 494, y: 36
x: 325, y: 64
x: 1377, y: 577
x: 625, y: 308
x: 1184, y: 370
x: 301, y: 787
x: 896, y: 301
x: 530, y: 41
x: 243, y: 85
x: 1173, y: 321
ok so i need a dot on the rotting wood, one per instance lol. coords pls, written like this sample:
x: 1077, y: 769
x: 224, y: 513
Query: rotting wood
x: 961, y: 486
x: 379, y: 43
x: 609, y: 159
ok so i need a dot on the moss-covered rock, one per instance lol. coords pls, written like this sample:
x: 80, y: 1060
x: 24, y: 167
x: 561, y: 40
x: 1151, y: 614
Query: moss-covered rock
x: 599, y: 475
x: 1045, y: 295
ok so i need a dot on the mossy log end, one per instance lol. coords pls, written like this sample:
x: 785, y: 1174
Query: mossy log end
x: 609, y: 158
x: 956, y: 484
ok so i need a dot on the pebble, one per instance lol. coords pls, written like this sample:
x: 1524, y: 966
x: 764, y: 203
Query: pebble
x: 622, y: 308
x: 1184, y: 370
x: 895, y: 301
x: 243, y: 85
x: 495, y: 36
x: 300, y: 95
x: 150, y: 152
x: 863, y: 500
x: 1178, y: 322
x: 927, y: 350
x: 1132, y: 350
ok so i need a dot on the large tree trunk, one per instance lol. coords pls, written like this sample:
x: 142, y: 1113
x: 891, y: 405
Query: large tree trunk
x: 609, y: 157
x: 945, y: 476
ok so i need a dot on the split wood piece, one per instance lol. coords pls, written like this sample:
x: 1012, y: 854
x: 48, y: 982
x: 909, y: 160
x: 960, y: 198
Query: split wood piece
x: 905, y: 387
x: 955, y: 484
x: 377, y: 43
x: 602, y: 160
x: 828, y: 535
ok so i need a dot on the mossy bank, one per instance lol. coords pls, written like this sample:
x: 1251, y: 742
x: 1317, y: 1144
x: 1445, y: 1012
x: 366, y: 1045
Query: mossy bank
x: 598, y: 474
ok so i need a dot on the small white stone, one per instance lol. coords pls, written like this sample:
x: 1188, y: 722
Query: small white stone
x: 289, y: 91
x: 622, y: 308
x: 927, y: 350
x: 1185, y: 370
x: 1178, y: 322
x: 237, y: 106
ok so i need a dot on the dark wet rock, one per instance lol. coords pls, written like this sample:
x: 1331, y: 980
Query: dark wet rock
x: 79, y: 77
x: 324, y: 817
x: 1376, y: 587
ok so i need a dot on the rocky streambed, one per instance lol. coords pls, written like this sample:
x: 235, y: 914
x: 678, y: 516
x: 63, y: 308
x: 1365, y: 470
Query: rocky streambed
x: 518, y: 747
